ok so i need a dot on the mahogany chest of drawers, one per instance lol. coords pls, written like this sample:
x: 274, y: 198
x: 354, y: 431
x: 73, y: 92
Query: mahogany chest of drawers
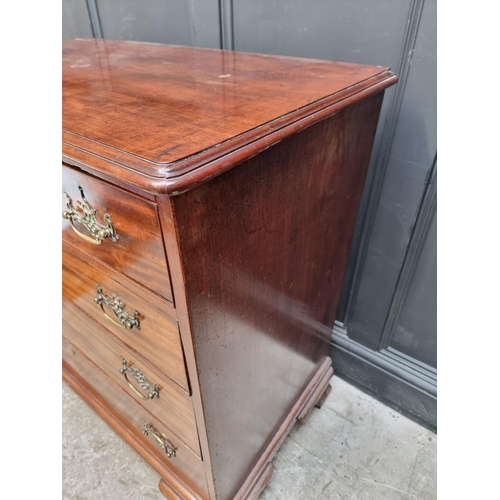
x: 209, y: 201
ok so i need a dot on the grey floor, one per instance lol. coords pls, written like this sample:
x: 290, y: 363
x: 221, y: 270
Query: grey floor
x: 353, y: 448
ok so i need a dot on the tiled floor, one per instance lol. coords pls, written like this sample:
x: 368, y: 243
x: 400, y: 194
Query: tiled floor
x: 353, y: 448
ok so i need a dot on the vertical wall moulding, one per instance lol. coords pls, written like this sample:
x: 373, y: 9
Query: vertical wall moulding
x: 226, y: 24
x: 95, y: 21
x: 377, y: 181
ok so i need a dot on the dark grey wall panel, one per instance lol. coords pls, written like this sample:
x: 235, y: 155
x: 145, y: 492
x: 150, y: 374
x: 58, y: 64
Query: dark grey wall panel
x: 205, y: 23
x: 162, y: 21
x: 415, y: 333
x: 178, y: 22
x: 412, y: 153
x: 75, y: 20
x: 365, y: 32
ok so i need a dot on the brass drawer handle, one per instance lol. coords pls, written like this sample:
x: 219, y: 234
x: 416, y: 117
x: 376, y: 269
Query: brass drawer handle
x: 141, y: 379
x: 162, y: 441
x: 112, y: 301
x: 85, y: 215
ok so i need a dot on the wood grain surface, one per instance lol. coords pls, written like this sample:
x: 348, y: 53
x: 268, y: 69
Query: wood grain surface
x: 138, y: 253
x: 152, y: 108
x: 264, y: 249
x: 171, y: 408
x: 184, y: 473
x: 157, y: 341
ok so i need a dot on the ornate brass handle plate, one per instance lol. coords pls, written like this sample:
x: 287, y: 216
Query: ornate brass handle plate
x: 85, y: 215
x: 141, y: 379
x: 114, y: 303
x: 162, y: 441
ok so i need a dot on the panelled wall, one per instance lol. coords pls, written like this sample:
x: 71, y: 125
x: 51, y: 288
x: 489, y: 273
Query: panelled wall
x: 385, y: 337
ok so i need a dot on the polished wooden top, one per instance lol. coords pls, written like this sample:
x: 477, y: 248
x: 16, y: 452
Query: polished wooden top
x: 171, y: 115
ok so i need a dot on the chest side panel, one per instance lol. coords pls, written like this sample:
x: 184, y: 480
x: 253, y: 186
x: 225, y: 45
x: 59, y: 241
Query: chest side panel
x: 264, y: 249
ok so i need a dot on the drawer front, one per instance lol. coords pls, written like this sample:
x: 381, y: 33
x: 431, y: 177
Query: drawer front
x: 138, y: 250
x: 137, y: 317
x: 185, y: 465
x: 166, y: 403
